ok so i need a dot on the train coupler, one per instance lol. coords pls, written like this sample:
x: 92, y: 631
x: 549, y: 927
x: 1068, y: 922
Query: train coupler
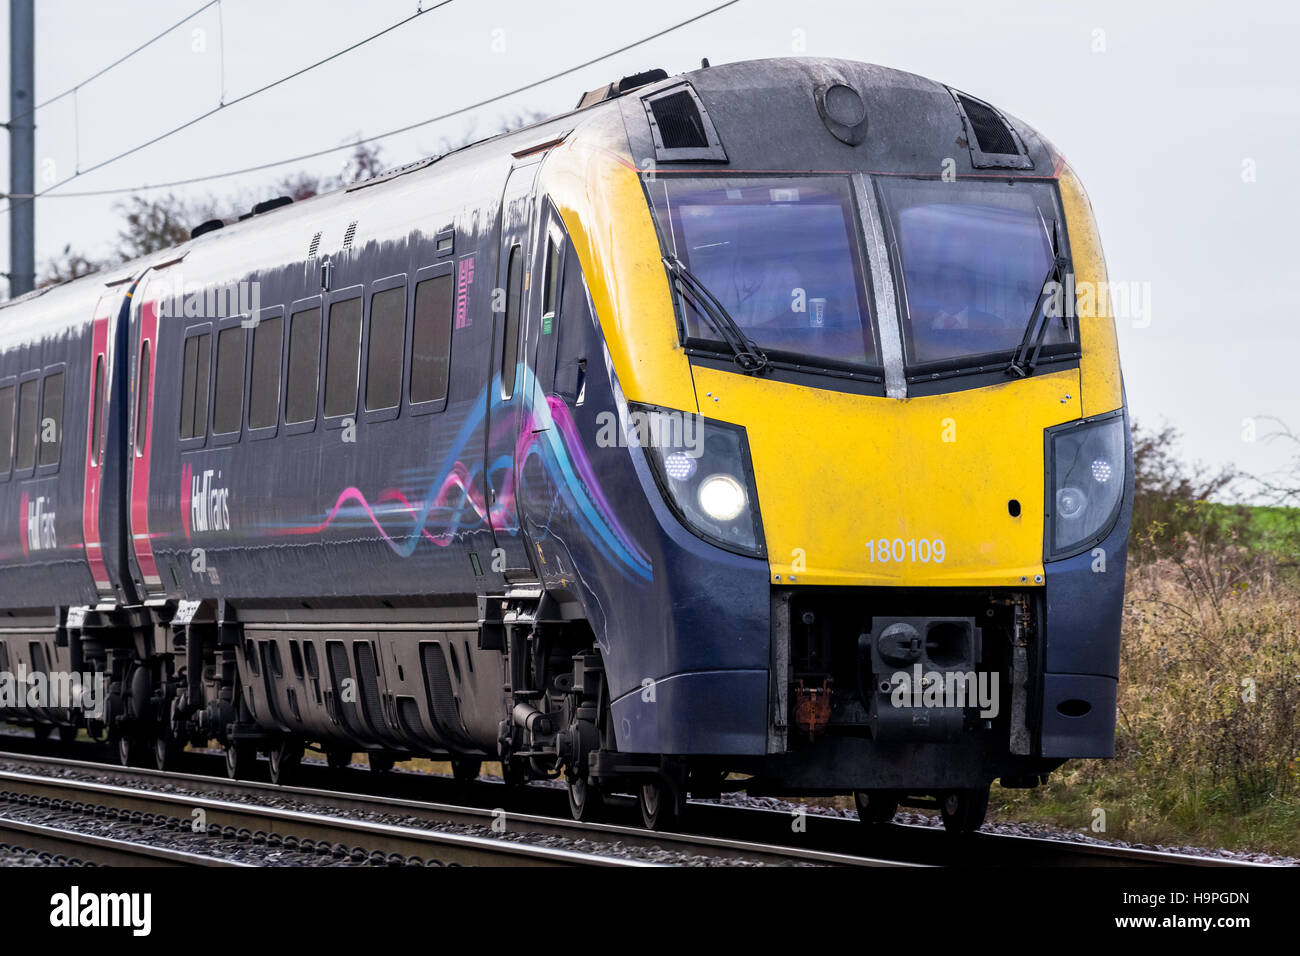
x: 812, y: 707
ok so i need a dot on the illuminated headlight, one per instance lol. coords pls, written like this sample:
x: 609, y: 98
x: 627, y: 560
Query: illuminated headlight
x: 722, y: 497
x: 679, y: 466
x: 1086, y: 483
x: 702, y: 466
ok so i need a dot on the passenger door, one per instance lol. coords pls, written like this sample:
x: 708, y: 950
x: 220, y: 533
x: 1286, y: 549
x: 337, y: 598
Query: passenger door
x: 140, y: 412
x: 509, y: 388
x: 96, y: 433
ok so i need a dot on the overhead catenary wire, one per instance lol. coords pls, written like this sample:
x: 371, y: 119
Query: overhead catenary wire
x: 226, y: 105
x: 118, y: 62
x: 302, y: 157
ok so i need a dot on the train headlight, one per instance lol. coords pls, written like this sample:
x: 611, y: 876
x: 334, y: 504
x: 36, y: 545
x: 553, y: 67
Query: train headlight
x: 1086, y: 483
x: 1070, y: 503
x: 722, y: 497
x: 680, y: 466
x: 703, y: 469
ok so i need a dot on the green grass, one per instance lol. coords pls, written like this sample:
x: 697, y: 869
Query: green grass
x: 1186, y: 809
x: 1273, y: 529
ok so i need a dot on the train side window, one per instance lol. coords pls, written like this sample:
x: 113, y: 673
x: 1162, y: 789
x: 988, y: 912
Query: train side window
x: 229, y: 407
x: 97, y: 414
x: 264, y: 390
x: 142, y: 398
x: 342, y: 358
x: 384, y: 357
x: 304, y: 367
x: 575, y: 324
x: 551, y: 280
x: 194, y: 385
x: 51, y: 418
x: 510, y: 344
x: 6, y: 429
x: 431, y: 339
x: 28, y: 400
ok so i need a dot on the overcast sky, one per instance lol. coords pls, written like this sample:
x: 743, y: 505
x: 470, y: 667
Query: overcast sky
x: 1183, y: 120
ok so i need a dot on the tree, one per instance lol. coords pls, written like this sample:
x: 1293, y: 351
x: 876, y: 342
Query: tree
x: 65, y: 267
x: 1283, y: 487
x: 157, y: 223
x: 1172, y: 499
x: 363, y: 163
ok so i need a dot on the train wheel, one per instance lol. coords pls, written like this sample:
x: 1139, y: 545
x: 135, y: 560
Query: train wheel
x: 240, y: 759
x: 876, y: 806
x: 338, y: 759
x: 963, y: 810
x: 42, y: 732
x: 658, y: 806
x: 131, y: 750
x: 381, y: 763
x: 285, y: 760
x: 586, y: 802
x: 165, y: 749
x: 67, y: 734
x: 466, y: 769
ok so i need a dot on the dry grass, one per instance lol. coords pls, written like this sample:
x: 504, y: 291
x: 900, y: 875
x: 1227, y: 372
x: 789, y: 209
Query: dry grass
x: 1208, y: 736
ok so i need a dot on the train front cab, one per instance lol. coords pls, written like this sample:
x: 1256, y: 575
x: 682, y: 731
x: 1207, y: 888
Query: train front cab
x: 901, y: 516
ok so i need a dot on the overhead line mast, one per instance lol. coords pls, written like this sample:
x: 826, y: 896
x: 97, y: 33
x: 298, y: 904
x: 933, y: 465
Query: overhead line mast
x: 22, y: 147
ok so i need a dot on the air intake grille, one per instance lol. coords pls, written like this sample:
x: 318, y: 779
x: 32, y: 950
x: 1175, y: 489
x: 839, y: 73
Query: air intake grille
x: 336, y: 656
x: 350, y: 234
x: 990, y: 131
x: 368, y: 674
x: 679, y: 122
x: 408, y: 711
x: 315, y: 245
x: 442, y: 700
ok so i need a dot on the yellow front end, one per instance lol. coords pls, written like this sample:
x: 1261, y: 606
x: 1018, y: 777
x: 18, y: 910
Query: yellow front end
x: 939, y: 490
x: 848, y: 484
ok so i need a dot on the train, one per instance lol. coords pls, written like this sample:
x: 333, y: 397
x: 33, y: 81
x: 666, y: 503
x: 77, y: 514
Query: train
x: 757, y: 428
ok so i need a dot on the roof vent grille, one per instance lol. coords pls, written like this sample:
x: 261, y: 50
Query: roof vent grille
x: 679, y: 122
x: 992, y: 141
x: 990, y: 130
x: 350, y: 234
x: 314, y: 247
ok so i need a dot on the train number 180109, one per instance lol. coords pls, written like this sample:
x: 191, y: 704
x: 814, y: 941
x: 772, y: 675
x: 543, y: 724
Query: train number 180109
x: 898, y: 551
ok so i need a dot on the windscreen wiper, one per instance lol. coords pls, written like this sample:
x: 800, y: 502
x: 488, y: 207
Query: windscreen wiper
x: 747, y: 355
x: 1031, y: 343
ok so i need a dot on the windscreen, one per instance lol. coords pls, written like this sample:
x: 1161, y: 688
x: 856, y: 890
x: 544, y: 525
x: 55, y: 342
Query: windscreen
x: 973, y: 258
x: 782, y: 257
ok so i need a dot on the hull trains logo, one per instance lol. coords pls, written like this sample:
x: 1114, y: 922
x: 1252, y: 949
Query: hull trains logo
x: 205, y: 503
x: 36, y: 520
x: 455, y: 500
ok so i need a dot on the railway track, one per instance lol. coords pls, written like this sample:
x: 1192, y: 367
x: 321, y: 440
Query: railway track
x: 711, y: 830
x: 340, y: 822
x: 224, y: 821
x: 61, y: 845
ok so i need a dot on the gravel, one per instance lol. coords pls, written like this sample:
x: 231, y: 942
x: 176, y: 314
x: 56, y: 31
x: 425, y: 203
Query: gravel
x: 207, y: 844
x: 17, y: 856
x: 662, y: 855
